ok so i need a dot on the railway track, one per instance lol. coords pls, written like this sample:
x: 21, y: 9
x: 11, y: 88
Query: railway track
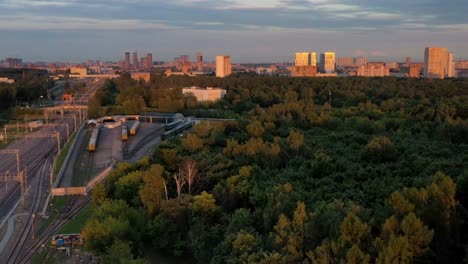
x: 26, y: 232
x: 127, y: 155
x: 75, y: 204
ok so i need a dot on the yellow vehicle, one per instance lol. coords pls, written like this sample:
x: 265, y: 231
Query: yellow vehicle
x: 124, y: 133
x: 134, y: 128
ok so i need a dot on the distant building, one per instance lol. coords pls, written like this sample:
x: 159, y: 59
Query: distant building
x: 209, y: 94
x: 305, y: 59
x: 392, y: 65
x: 135, y: 61
x: 360, y: 61
x: 140, y: 75
x: 149, y: 61
x: 303, y: 71
x: 144, y: 62
x: 461, y: 65
x: 127, y: 60
x: 327, y: 62
x: 13, y: 62
x: 199, y: 61
x: 266, y: 71
x: 407, y: 61
x: 435, y: 61
x: 373, y: 69
x: 223, y: 66
x: 345, y: 62
x: 82, y: 71
x: 450, y: 66
x: 414, y: 70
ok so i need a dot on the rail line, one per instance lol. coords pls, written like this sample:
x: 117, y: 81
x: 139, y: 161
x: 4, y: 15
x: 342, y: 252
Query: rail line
x: 76, y: 204
x: 19, y: 245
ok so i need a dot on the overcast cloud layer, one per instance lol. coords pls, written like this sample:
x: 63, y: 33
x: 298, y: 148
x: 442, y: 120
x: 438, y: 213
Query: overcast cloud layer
x: 249, y: 31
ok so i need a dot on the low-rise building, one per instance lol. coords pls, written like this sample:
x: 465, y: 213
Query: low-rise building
x: 140, y: 75
x: 205, y: 94
x: 6, y: 80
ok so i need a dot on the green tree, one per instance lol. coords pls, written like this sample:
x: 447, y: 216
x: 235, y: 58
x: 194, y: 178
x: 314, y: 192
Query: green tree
x: 192, y: 143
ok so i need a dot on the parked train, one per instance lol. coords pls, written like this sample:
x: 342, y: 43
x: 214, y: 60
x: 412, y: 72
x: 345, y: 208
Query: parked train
x: 134, y: 128
x: 175, y: 131
x: 94, y: 138
x: 173, y: 125
x: 124, y: 133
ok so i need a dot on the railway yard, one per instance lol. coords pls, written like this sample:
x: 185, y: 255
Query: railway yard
x: 27, y: 222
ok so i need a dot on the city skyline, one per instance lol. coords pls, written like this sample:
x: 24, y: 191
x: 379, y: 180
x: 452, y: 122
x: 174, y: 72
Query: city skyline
x: 250, y: 31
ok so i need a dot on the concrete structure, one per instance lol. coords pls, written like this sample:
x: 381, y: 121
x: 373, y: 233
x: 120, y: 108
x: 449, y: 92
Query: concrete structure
x: 360, y: 61
x: 140, y: 75
x: 373, y: 69
x: 450, y: 66
x: 435, y: 61
x: 223, y: 66
x: 414, y: 70
x: 303, y: 71
x: 127, y: 60
x: 345, y: 62
x: 13, y: 62
x: 199, y: 61
x: 135, y: 61
x: 327, y: 62
x: 209, y: 94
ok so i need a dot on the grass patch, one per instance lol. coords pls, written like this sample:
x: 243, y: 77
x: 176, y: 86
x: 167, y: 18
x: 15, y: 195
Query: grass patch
x: 58, y: 203
x: 78, y: 222
x: 39, y: 258
x: 63, y: 154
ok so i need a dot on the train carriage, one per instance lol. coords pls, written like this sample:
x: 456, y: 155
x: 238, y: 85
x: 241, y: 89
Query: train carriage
x: 124, y: 133
x: 134, y: 128
x: 94, y: 139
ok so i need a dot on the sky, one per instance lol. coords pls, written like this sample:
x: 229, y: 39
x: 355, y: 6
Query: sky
x: 248, y: 30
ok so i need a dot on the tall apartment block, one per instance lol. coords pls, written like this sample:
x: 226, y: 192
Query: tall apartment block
x: 302, y: 59
x: 450, y: 66
x: 199, y: 61
x: 223, y: 66
x: 127, y: 60
x: 435, y: 62
x: 149, y: 61
x: 135, y: 60
x: 327, y: 62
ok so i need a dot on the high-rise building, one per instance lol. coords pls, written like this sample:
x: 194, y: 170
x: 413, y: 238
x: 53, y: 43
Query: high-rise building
x: 435, y: 62
x: 360, y: 61
x: 327, y: 62
x: 199, y: 61
x: 144, y: 62
x: 223, y: 66
x: 127, y: 60
x: 408, y: 61
x: 302, y: 59
x: 450, y: 66
x: 414, y: 70
x: 313, y: 59
x: 149, y: 61
x: 135, y: 60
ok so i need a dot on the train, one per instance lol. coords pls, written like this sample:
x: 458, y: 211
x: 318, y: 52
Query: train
x: 124, y: 133
x: 134, y: 128
x: 172, y: 125
x: 175, y: 131
x: 94, y: 138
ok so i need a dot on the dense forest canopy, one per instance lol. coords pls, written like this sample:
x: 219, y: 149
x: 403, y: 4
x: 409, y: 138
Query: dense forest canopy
x: 313, y: 170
